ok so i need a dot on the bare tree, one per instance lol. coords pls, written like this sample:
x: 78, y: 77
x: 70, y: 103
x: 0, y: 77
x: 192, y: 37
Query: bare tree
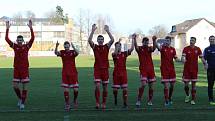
x: 160, y: 31
x: 17, y: 17
x: 30, y: 15
x: 101, y: 21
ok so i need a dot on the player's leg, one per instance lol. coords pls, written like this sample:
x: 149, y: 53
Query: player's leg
x: 16, y: 81
x: 143, y: 82
x: 104, y: 95
x: 193, y: 93
x: 97, y: 81
x: 115, y: 86
x: 124, y: 86
x: 75, y: 100
x: 125, y: 97
x: 66, y: 98
x: 211, y: 78
x: 18, y: 92
x: 115, y: 93
x: 172, y: 79
x: 152, y: 79
x: 140, y: 92
x: 186, y: 89
x: 105, y: 81
x: 150, y: 93
x: 171, y: 89
x: 97, y: 93
x: 24, y: 75
x: 166, y: 91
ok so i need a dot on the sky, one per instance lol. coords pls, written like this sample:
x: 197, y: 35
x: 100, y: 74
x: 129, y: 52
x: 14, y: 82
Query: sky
x: 127, y: 15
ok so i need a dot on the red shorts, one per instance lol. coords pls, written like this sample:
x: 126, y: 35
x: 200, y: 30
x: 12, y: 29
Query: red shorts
x: 21, y: 75
x: 120, y: 79
x: 168, y: 75
x: 70, y: 80
x: 101, y: 75
x: 147, y: 76
x: 190, y: 76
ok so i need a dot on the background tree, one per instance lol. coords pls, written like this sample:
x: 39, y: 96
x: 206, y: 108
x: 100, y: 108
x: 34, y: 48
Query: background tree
x: 160, y: 31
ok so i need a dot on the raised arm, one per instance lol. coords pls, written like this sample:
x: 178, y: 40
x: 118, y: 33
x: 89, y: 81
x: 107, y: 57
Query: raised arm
x: 90, y: 39
x: 154, y: 38
x: 32, y: 34
x: 56, y: 49
x: 106, y: 28
x: 132, y: 47
x: 76, y: 51
x: 11, y: 44
x: 155, y: 44
x: 134, y: 38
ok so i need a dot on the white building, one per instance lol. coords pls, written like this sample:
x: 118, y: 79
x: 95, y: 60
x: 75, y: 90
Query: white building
x: 199, y: 28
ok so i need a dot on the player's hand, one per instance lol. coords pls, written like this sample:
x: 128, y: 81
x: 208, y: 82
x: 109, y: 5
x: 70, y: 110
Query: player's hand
x: 57, y: 44
x: 154, y: 38
x: 106, y: 28
x: 134, y: 36
x: 206, y: 66
x: 8, y: 24
x: 29, y: 24
x: 94, y: 27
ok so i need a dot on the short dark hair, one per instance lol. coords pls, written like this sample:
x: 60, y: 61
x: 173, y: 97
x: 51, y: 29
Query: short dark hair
x: 20, y: 36
x: 145, y: 39
x: 168, y: 37
x: 66, y: 42
x: 193, y: 38
x: 117, y: 43
x: 100, y: 36
x: 211, y: 37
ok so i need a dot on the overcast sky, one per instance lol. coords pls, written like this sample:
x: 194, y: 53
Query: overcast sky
x: 127, y: 15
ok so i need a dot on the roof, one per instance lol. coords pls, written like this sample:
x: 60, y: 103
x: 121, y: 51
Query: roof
x: 187, y: 25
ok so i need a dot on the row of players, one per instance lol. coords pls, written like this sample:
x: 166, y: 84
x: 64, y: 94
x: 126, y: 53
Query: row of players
x: 101, y: 75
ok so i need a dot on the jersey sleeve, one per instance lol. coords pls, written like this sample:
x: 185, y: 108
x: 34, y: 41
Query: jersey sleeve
x: 200, y: 53
x: 205, y: 54
x: 184, y: 52
x: 174, y: 53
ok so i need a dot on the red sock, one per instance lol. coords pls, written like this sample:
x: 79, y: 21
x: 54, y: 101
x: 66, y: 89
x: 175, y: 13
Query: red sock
x: 186, y: 89
x: 66, y: 97
x: 75, y: 95
x: 24, y: 96
x: 115, y: 93
x: 166, y: 96
x: 104, y: 97
x: 193, y: 94
x: 140, y: 93
x: 97, y: 95
x: 125, y: 96
x: 150, y: 94
x: 18, y: 92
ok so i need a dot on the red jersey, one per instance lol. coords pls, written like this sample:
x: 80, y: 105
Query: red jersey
x: 68, y: 60
x: 145, y: 57
x: 191, y: 54
x: 120, y: 60
x: 20, y: 51
x: 101, y: 56
x: 167, y: 56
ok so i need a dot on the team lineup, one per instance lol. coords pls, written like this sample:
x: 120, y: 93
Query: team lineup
x: 190, y: 55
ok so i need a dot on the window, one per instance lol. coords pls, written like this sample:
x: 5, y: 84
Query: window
x: 38, y: 34
x: 59, y: 34
x: 173, y: 29
x: 25, y: 34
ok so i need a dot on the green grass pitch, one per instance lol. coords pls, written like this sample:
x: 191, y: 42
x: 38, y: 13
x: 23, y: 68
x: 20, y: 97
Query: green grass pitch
x: 46, y: 103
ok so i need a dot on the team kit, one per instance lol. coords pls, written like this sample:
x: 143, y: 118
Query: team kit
x: 190, y: 55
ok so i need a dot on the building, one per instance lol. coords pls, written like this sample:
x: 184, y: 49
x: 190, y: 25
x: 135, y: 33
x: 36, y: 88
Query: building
x: 200, y: 28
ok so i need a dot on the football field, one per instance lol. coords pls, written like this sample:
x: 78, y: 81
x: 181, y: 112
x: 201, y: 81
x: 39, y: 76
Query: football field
x: 45, y: 100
